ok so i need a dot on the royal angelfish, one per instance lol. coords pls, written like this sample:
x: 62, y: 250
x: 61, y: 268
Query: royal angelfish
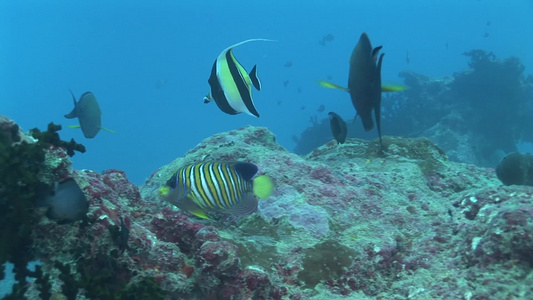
x: 364, y: 83
x: 88, y: 113
x: 231, y: 85
x: 217, y: 187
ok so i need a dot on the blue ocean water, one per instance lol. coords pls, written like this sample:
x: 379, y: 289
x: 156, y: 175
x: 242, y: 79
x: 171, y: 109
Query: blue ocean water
x: 148, y: 63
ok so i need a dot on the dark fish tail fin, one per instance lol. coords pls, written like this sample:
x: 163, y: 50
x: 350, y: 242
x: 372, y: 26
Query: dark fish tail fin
x: 368, y: 123
x: 73, y: 113
x: 377, y: 104
x: 246, y: 170
x: 254, y: 78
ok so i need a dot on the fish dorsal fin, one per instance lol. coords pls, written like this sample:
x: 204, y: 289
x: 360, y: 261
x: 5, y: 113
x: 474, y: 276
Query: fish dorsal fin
x: 255, y: 79
x: 246, y: 170
x: 243, y: 42
x: 73, y: 114
x: 375, y: 53
x: 377, y: 107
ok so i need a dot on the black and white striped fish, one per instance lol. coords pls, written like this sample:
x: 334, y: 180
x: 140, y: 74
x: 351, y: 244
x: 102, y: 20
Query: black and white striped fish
x: 225, y: 187
x: 231, y: 85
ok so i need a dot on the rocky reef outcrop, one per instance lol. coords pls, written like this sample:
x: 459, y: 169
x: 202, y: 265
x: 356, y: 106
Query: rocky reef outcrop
x: 346, y: 221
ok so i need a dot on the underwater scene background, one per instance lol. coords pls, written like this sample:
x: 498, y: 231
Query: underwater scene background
x: 148, y: 64
x: 442, y: 209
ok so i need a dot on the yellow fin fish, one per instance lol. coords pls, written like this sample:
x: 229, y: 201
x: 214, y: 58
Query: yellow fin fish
x: 217, y: 187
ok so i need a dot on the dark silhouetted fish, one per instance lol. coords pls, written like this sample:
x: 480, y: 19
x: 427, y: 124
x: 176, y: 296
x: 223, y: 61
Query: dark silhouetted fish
x: 327, y: 38
x: 231, y: 85
x: 338, y: 127
x: 364, y: 83
x: 88, y: 113
x: 123, y: 237
x: 220, y: 187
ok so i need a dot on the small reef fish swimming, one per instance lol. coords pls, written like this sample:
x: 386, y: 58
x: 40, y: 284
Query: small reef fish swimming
x: 88, y: 113
x: 338, y: 127
x: 217, y: 187
x: 364, y: 83
x: 231, y: 85
x: 327, y: 38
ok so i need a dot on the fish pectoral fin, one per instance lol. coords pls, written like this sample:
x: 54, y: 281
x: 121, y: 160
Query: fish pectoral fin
x: 393, y: 88
x: 190, y: 203
x: 74, y: 126
x: 208, y: 98
x: 108, y: 130
x: 332, y: 86
x: 254, y: 78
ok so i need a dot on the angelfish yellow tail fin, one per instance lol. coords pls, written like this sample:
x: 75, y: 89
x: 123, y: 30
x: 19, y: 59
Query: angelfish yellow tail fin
x: 263, y: 186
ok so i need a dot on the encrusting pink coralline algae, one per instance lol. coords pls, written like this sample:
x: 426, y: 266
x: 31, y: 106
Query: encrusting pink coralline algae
x: 345, y: 222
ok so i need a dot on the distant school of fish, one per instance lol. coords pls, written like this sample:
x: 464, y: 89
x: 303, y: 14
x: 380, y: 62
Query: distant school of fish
x: 233, y: 188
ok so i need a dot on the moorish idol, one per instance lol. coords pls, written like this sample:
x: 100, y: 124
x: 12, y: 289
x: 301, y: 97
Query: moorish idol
x: 231, y: 85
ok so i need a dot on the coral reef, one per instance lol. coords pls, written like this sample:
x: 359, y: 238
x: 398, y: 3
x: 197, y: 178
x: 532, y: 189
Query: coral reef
x: 26, y: 165
x: 345, y: 222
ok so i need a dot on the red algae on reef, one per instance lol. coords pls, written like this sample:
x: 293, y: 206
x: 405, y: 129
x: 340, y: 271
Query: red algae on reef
x: 345, y: 222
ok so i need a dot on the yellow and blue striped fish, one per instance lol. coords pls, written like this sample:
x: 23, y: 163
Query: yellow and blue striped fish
x: 220, y: 187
